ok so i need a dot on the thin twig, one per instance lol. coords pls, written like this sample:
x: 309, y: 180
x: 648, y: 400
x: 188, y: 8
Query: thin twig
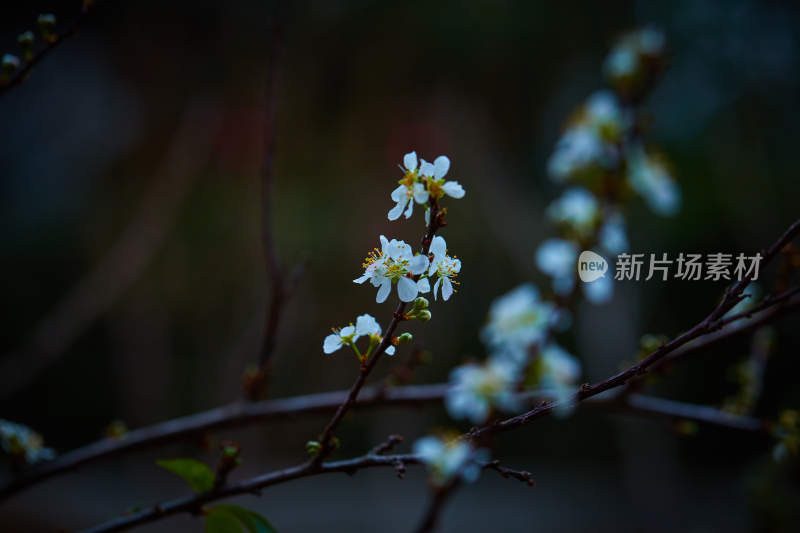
x: 22, y: 74
x: 438, y: 500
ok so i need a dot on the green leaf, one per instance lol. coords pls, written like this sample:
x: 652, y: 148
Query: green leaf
x: 253, y: 522
x: 221, y: 521
x: 196, y: 474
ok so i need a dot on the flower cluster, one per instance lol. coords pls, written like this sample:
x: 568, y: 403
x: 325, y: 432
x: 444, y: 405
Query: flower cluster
x: 22, y: 442
x: 449, y: 457
x: 422, y: 182
x: 517, y: 337
x: 601, y: 153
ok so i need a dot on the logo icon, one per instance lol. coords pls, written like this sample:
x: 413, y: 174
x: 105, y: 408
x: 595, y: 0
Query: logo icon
x: 591, y: 266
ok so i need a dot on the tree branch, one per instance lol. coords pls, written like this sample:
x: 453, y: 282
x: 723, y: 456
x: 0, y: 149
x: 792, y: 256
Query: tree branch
x: 22, y: 74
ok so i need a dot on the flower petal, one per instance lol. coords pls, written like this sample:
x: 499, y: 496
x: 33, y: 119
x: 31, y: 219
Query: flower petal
x: 362, y: 279
x: 332, y: 343
x: 410, y: 161
x: 367, y: 325
x: 420, y: 193
x: 424, y: 286
x: 389, y: 350
x: 426, y: 169
x: 436, y: 287
x: 438, y: 247
x: 418, y: 264
x: 399, y: 193
x: 453, y: 189
x: 383, y: 292
x: 396, y: 211
x: 406, y: 289
x: 447, y: 289
x: 410, y: 208
x: 440, y: 166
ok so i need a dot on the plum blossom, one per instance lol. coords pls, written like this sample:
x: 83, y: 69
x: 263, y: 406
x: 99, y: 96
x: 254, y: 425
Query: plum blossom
x: 558, y: 372
x: 449, y: 458
x: 649, y: 177
x: 21, y: 441
x: 409, y: 189
x: 393, y: 263
x: 444, y: 267
x: 518, y: 319
x: 577, y: 208
x: 612, y: 234
x: 557, y: 258
x: 435, y: 185
x: 476, y: 389
x: 599, y: 291
x: 366, y: 325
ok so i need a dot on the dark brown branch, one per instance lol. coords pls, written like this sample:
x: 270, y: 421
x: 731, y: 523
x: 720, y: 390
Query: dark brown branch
x: 521, y: 475
x: 22, y: 74
x: 433, y: 511
x: 193, y: 504
x: 126, y: 260
x: 327, y: 436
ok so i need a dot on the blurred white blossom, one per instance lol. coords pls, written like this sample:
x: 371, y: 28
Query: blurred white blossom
x: 476, y: 389
x: 446, y: 459
x: 557, y: 258
x: 649, y: 177
x: 577, y: 208
x: 518, y: 319
x: 21, y: 441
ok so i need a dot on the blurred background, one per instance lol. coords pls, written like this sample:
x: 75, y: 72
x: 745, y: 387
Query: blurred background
x: 133, y: 152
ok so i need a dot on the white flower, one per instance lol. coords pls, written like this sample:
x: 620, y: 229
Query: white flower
x: 447, y: 459
x: 599, y: 291
x: 435, y: 184
x: 366, y: 325
x: 518, y: 320
x: 650, y: 178
x: 392, y: 264
x: 445, y: 268
x: 557, y: 259
x: 19, y: 440
x: 612, y: 235
x: 576, y: 207
x: 340, y: 337
x: 409, y: 189
x: 475, y: 389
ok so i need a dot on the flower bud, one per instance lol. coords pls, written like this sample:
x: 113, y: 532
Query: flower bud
x: 313, y: 447
x: 405, y: 338
x: 420, y: 303
x: 424, y: 315
x: 47, y: 25
x: 10, y: 63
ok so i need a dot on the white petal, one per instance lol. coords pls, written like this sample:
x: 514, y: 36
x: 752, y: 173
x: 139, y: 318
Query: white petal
x: 453, y: 189
x: 384, y: 243
x: 447, y: 289
x: 436, y: 287
x: 424, y: 286
x: 367, y: 325
x: 427, y: 217
x: 410, y: 208
x: 399, y: 193
x: 441, y: 165
x: 426, y: 169
x: 410, y: 161
x: 347, y: 331
x: 428, y: 448
x: 394, y: 213
x: 362, y: 279
x: 438, y: 247
x: 332, y: 343
x: 406, y: 289
x: 383, y: 292
x: 389, y: 350
x: 420, y: 193
x: 418, y: 264
x: 456, y: 265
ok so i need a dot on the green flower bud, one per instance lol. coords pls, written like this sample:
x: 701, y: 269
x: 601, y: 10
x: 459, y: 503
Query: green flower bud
x: 420, y: 303
x: 313, y: 447
x: 47, y: 25
x: 10, y: 63
x: 405, y: 338
x: 25, y: 41
x: 424, y: 315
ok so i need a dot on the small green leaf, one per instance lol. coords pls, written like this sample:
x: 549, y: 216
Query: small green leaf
x: 220, y: 521
x: 199, y: 477
x: 253, y: 522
